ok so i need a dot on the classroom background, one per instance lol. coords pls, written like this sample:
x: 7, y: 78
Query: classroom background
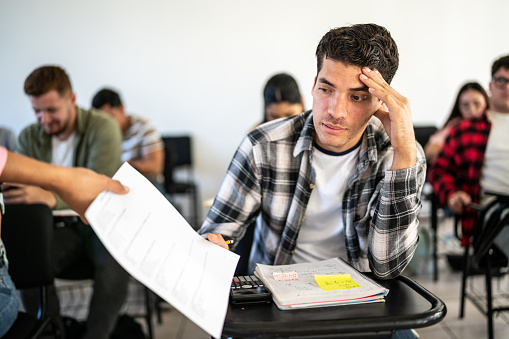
x: 198, y: 67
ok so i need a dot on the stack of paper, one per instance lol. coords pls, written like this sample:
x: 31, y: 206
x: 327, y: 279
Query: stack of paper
x: 326, y: 283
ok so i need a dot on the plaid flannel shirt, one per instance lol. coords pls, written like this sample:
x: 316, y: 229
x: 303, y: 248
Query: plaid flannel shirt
x: 458, y: 166
x: 271, y: 178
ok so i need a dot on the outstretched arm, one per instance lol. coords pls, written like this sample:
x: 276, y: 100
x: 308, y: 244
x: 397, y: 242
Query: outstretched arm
x: 76, y: 186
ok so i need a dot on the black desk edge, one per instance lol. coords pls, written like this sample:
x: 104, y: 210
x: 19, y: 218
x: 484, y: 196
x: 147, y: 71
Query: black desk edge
x: 432, y: 316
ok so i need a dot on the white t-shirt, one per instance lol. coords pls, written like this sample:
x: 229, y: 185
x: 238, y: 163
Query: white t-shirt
x: 495, y: 171
x: 62, y: 151
x: 322, y: 234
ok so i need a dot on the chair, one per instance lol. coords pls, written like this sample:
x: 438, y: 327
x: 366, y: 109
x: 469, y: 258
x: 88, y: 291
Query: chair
x: 27, y: 232
x: 76, y: 294
x: 485, y: 257
x: 423, y: 133
x: 178, y: 155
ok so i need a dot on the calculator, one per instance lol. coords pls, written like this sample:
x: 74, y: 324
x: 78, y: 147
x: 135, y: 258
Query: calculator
x: 248, y: 289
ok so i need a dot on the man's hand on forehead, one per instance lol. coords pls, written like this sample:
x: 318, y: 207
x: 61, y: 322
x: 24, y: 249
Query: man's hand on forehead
x: 395, y: 115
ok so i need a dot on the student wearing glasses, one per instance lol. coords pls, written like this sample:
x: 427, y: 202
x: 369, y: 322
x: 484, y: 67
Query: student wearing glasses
x: 475, y: 158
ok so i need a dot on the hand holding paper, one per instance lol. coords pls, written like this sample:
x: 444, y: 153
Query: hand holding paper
x: 155, y: 244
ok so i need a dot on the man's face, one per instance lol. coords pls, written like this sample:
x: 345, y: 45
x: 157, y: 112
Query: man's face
x: 342, y: 106
x: 56, y: 114
x: 500, y: 92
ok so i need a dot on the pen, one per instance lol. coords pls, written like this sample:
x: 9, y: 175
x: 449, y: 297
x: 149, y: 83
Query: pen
x: 229, y: 242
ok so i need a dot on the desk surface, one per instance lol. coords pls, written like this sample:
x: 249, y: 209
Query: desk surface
x: 408, y: 305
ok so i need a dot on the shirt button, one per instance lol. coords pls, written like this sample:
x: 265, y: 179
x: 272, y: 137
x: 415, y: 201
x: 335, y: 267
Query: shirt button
x: 312, y: 186
x: 303, y: 218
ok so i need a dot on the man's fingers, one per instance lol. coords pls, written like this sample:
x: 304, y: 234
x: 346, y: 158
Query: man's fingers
x: 217, y: 239
x: 380, y: 88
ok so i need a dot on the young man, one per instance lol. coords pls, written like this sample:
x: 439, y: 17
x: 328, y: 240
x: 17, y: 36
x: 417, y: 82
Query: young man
x: 76, y: 186
x: 142, y: 146
x: 475, y: 157
x: 69, y: 136
x: 334, y: 181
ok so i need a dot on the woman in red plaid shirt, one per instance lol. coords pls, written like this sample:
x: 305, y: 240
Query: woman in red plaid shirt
x: 475, y: 156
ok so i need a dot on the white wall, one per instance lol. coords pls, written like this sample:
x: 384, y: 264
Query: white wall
x: 199, y: 66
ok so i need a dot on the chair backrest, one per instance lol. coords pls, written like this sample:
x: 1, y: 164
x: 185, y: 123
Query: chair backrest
x: 27, y: 233
x: 181, y: 147
x: 177, y: 154
x: 423, y: 133
x: 490, y: 222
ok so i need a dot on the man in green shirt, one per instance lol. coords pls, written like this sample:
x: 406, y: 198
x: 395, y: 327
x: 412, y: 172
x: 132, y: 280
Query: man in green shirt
x: 69, y: 136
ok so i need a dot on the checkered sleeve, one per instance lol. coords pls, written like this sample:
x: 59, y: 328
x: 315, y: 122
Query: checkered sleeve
x: 237, y: 203
x: 393, y: 233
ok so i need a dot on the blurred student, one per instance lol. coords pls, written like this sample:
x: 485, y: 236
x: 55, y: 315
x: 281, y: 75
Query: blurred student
x: 70, y: 136
x: 281, y: 98
x: 76, y: 186
x: 142, y: 145
x: 471, y: 102
x: 474, y: 161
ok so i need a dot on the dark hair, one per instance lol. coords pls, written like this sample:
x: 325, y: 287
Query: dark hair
x: 106, y: 96
x: 499, y: 63
x: 281, y: 88
x: 45, y: 79
x: 364, y: 45
x: 455, y: 113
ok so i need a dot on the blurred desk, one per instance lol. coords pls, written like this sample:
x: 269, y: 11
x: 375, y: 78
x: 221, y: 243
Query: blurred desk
x: 408, y: 305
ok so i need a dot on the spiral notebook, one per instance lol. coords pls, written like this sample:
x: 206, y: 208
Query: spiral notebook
x: 330, y: 282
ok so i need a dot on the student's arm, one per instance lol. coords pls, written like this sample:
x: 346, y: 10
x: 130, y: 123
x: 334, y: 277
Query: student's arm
x: 397, y: 120
x: 444, y: 172
x: 151, y: 164
x: 76, y: 186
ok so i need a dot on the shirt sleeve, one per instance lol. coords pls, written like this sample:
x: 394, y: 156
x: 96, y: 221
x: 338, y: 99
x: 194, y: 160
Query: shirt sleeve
x: 442, y: 171
x: 393, y: 234
x: 238, y: 200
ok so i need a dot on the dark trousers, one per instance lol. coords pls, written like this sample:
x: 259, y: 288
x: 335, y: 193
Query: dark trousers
x: 79, y: 253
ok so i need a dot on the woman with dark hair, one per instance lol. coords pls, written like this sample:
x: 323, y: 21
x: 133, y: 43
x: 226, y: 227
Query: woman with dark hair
x: 471, y: 102
x: 281, y: 97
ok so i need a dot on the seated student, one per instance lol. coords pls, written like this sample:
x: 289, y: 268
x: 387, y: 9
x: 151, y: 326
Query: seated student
x: 471, y: 102
x: 76, y: 186
x: 475, y: 156
x: 334, y: 181
x: 142, y: 146
x: 69, y: 136
x: 281, y: 98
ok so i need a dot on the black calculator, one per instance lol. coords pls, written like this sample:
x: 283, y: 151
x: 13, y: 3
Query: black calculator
x: 248, y: 289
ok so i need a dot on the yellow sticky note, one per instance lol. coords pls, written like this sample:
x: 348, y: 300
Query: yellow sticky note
x: 335, y: 282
